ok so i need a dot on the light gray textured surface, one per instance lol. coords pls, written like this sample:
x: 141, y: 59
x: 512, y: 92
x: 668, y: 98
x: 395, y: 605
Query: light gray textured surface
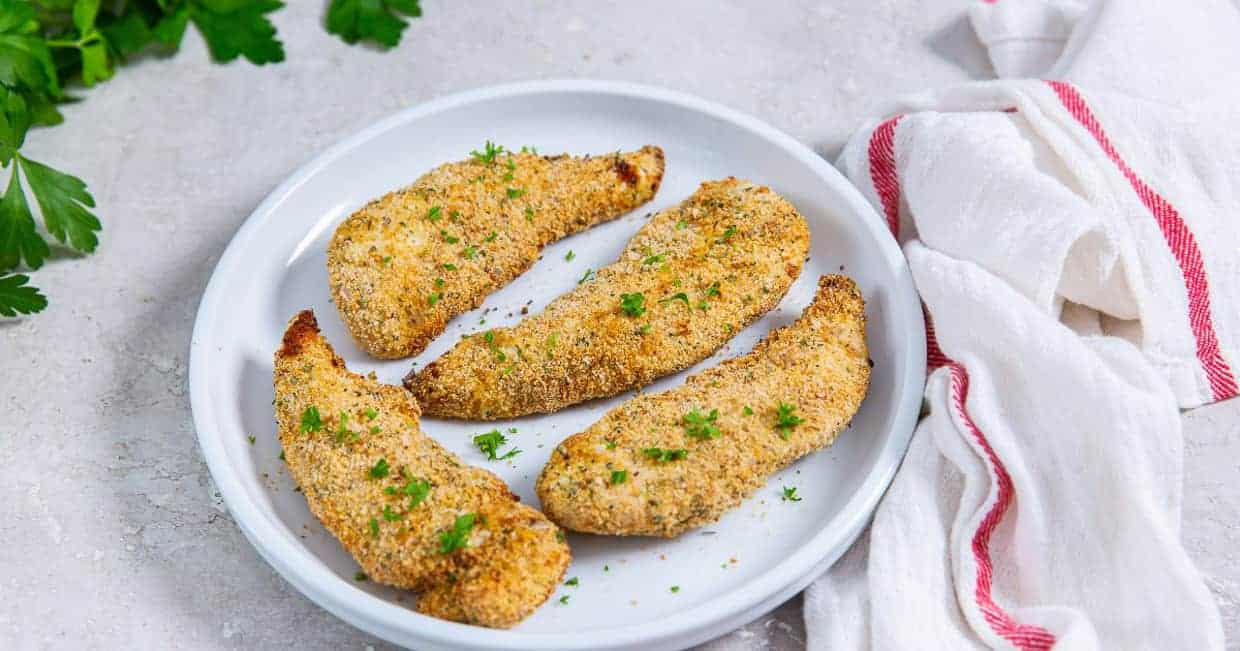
x: 111, y: 535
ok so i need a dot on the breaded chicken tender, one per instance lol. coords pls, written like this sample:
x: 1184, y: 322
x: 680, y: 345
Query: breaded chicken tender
x: 663, y: 463
x: 402, y: 266
x: 412, y: 514
x: 692, y: 277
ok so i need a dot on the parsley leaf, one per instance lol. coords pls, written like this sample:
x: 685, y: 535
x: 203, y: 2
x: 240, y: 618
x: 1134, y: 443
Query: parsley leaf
x: 677, y: 297
x: 458, y: 536
x: 379, y: 470
x: 234, y: 28
x: 17, y: 298
x: 310, y: 420
x: 415, y: 489
x: 380, y: 21
x: 18, y: 239
x: 785, y: 421
x: 619, y: 476
x: 63, y: 200
x: 633, y: 304
x: 25, y: 59
x: 488, y: 153
x: 490, y: 442
x: 701, y: 426
x: 790, y: 494
x: 663, y: 456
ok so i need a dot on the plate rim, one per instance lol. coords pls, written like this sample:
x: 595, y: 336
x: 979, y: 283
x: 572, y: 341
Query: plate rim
x: 390, y: 621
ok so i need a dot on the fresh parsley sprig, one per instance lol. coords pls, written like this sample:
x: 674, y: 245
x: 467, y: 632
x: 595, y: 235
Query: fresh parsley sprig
x: 47, y: 44
x: 490, y: 443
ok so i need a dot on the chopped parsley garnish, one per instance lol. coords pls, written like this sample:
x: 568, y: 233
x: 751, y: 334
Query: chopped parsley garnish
x: 448, y: 237
x: 489, y: 338
x: 252, y: 439
x: 374, y: 527
x: 360, y: 577
x: 611, y: 445
x: 633, y: 304
x: 677, y: 297
x: 432, y: 299
x: 703, y: 305
x: 415, y: 489
x: 682, y: 225
x: 619, y: 476
x: 374, y: 429
x: 675, y: 588
x: 564, y: 600
x: 490, y: 442
x: 663, y: 456
x: 449, y: 266
x: 526, y: 149
x: 380, y: 469
x: 458, y: 536
x: 491, y: 237
x: 586, y: 276
x: 727, y: 235
x: 529, y: 214
x: 644, y: 330
x: 701, y: 426
x: 435, y: 213
x: 343, y: 432
x: 387, y: 260
x: 514, y: 193
x: 790, y: 494
x: 573, y: 582
x: 455, y: 215
x: 713, y: 290
x: 390, y: 515
x: 785, y: 421
x: 747, y: 411
x: 488, y: 153
x: 310, y: 420
x: 568, y: 257
x: 439, y: 283
x: 652, y: 258
x: 370, y: 413
x: 512, y: 167
x: 470, y: 252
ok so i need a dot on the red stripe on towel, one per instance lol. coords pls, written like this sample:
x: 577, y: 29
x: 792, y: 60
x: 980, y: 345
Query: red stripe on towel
x: 1024, y: 636
x: 1179, y: 239
x: 883, y: 171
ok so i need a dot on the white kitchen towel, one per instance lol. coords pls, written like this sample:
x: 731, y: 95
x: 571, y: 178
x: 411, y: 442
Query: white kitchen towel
x: 1076, y: 242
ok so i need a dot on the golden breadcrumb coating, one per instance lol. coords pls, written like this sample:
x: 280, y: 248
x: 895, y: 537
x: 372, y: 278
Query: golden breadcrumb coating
x: 393, y: 496
x: 680, y: 471
x: 693, y: 276
x: 403, y: 265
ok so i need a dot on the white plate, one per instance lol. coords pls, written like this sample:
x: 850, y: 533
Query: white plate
x: 728, y: 573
